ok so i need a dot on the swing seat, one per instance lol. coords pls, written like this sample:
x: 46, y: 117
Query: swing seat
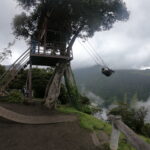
x: 107, y: 72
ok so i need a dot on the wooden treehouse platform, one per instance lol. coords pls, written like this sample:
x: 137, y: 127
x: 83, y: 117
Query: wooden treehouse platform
x: 48, y: 60
x: 47, y: 57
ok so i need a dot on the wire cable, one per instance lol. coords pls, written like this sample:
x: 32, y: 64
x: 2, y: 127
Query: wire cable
x: 94, y: 54
x: 89, y: 52
x: 97, y: 54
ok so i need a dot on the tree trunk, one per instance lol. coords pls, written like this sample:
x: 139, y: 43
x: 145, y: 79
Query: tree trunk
x: 71, y: 86
x: 54, y: 86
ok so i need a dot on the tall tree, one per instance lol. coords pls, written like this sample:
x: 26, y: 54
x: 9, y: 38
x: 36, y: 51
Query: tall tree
x: 69, y: 16
x: 63, y: 21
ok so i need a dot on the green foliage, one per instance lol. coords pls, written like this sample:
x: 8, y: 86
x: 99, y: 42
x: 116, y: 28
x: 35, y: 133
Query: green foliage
x: 26, y: 4
x: 146, y: 139
x: 86, y: 109
x: 63, y: 97
x: 105, y: 146
x: 92, y: 124
x: 114, y: 89
x: 74, y: 96
x: 19, y: 81
x: 87, y: 121
x: 123, y: 144
x: 146, y: 130
x: 84, y: 100
x: 96, y: 15
x: 40, y: 78
x: 21, y: 24
x: 78, y: 101
x: 2, y: 69
x: 134, y: 118
x: 15, y: 96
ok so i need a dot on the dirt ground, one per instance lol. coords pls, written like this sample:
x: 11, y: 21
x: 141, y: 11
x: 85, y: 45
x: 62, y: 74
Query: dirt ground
x: 60, y: 136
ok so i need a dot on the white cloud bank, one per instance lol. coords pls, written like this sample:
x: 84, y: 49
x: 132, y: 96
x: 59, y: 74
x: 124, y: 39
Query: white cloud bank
x: 126, y: 45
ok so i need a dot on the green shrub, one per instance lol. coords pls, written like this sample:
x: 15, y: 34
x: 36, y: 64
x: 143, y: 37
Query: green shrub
x: 146, y: 130
x: 15, y: 96
x: 87, y: 121
x: 63, y: 97
x: 89, y: 109
x: 86, y: 109
x: 84, y: 100
x: 134, y: 118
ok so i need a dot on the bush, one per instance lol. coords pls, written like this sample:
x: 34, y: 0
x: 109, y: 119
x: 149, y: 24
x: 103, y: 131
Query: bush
x: 86, y: 109
x: 134, y: 118
x: 15, y: 96
x: 84, y: 100
x: 146, y: 130
x: 63, y: 97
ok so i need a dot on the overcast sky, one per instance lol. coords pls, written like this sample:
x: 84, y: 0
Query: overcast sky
x: 126, y: 45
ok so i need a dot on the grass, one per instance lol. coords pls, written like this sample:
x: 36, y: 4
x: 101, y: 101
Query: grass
x: 147, y: 140
x: 93, y: 124
x: 123, y: 144
x: 87, y: 121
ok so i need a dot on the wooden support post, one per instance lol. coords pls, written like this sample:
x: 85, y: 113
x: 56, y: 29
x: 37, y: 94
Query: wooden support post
x: 30, y: 81
x: 114, y: 135
x: 38, y: 48
x: 45, y: 35
x: 71, y: 86
x: 132, y: 137
x: 54, y: 86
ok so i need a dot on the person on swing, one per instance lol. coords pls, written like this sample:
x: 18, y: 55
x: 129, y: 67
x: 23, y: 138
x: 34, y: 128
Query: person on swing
x: 107, y: 72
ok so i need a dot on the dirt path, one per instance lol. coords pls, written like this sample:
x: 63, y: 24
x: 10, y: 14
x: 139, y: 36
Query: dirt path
x: 60, y: 136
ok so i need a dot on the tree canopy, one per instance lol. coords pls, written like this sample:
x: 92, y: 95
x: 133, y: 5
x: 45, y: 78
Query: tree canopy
x: 67, y: 17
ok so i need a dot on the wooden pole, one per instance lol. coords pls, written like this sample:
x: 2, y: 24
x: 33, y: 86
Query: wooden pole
x: 53, y: 90
x: 30, y: 81
x: 45, y: 35
x: 132, y: 137
x: 71, y: 86
x: 114, y: 140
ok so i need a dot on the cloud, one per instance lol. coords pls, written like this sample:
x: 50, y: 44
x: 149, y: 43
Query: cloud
x: 8, y: 9
x: 95, y: 99
x: 147, y: 106
x: 126, y: 45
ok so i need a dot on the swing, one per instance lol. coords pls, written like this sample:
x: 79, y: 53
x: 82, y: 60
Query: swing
x: 107, y: 72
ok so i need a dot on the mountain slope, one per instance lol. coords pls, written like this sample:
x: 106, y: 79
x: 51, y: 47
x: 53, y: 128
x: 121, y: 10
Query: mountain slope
x: 123, y: 84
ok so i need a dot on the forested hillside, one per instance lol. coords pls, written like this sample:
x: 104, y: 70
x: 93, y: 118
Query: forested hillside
x: 122, y: 85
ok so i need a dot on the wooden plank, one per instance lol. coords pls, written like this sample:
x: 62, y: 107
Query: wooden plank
x: 30, y: 81
x: 51, y: 56
x: 114, y: 140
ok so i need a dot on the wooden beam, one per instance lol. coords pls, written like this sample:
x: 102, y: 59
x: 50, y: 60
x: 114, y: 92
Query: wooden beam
x: 114, y: 140
x: 30, y: 81
x: 132, y: 137
x: 54, y: 86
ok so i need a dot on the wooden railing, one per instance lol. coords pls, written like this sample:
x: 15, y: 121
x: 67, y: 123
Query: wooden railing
x: 13, y: 70
x: 50, y: 49
x: 132, y: 137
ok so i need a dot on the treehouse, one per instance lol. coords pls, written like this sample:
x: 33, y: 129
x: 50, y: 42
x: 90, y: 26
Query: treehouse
x: 53, y: 36
x: 48, y: 55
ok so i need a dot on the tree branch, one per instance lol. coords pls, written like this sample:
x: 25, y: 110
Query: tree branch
x: 74, y: 38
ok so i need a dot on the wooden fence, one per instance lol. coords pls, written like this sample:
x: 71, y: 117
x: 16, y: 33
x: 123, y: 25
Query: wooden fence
x: 118, y: 126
